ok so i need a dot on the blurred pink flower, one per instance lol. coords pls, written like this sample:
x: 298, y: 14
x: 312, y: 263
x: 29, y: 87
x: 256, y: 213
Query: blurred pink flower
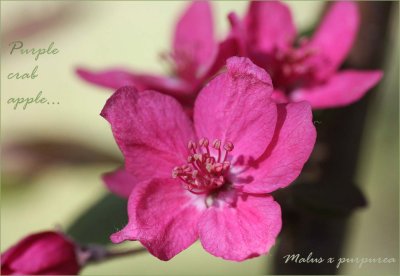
x: 44, y: 253
x: 195, y: 57
x: 306, y: 70
x: 240, y: 147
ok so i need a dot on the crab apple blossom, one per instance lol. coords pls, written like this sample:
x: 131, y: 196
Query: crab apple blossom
x: 306, y: 68
x: 209, y: 178
x: 195, y: 56
x: 44, y: 253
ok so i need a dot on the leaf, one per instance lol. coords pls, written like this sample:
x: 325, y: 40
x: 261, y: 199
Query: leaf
x: 98, y: 222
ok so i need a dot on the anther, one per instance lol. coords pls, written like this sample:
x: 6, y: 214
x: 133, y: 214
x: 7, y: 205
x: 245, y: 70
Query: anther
x: 219, y: 181
x: 217, y: 144
x: 228, y: 146
x: 203, y: 142
x: 198, y: 156
x: 210, y: 160
x: 176, y: 171
x: 218, y: 167
x: 192, y: 145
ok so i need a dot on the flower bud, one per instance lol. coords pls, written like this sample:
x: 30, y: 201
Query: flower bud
x: 42, y: 253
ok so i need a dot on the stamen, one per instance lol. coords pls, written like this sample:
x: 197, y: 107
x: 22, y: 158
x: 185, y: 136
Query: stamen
x: 217, y: 144
x: 175, y: 172
x: 210, y: 160
x: 204, y: 172
x: 203, y: 142
x: 192, y: 146
x: 228, y: 146
x: 198, y: 156
x: 218, y: 167
x: 293, y: 67
x: 226, y: 165
x: 220, y: 181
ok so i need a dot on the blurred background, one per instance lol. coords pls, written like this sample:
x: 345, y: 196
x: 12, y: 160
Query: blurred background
x: 53, y: 155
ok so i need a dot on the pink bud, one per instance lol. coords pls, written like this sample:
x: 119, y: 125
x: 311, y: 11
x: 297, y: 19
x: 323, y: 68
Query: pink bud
x: 47, y: 252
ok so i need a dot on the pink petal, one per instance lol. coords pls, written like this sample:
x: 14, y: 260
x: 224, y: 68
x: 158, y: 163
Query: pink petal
x: 151, y: 130
x: 116, y: 78
x: 113, y: 78
x: 287, y: 153
x: 336, y: 33
x: 176, y: 87
x: 341, y: 89
x: 226, y: 49
x: 119, y: 182
x: 231, y: 46
x: 163, y: 216
x: 236, y: 107
x: 238, y: 34
x: 194, y: 36
x: 269, y: 24
x: 241, y: 231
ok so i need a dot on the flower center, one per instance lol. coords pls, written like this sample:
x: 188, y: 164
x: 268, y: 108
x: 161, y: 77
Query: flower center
x: 293, y: 67
x: 205, y: 170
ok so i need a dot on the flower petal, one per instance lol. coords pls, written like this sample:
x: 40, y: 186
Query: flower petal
x: 336, y: 33
x: 226, y: 49
x: 112, y: 78
x: 241, y: 231
x: 238, y: 34
x: 194, y: 36
x: 151, y: 130
x: 269, y: 24
x: 119, y: 182
x: 236, y: 106
x: 287, y: 153
x: 116, y: 78
x: 341, y: 89
x: 176, y: 87
x: 163, y: 216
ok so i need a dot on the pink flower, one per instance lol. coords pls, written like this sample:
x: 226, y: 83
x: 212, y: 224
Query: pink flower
x: 308, y: 71
x: 240, y: 147
x: 195, y: 57
x: 44, y: 253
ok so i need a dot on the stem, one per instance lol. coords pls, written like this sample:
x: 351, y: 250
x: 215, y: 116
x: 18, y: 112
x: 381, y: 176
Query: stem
x: 91, y: 254
x: 111, y: 254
